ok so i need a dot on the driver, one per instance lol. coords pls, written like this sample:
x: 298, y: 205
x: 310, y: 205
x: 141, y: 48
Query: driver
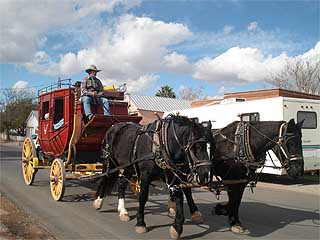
x: 91, y: 91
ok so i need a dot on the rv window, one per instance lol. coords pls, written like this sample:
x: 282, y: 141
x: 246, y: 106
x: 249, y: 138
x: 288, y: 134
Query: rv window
x: 58, y: 110
x: 45, y: 110
x: 250, y: 117
x: 310, y: 119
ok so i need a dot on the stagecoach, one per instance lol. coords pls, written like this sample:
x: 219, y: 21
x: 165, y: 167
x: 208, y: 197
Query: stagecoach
x: 68, y: 143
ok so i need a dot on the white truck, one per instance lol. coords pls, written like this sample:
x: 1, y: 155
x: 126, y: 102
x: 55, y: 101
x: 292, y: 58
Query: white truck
x: 269, y: 109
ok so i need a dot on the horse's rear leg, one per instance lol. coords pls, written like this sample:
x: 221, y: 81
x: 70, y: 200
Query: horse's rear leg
x: 123, y: 213
x: 104, y: 188
x: 143, y: 198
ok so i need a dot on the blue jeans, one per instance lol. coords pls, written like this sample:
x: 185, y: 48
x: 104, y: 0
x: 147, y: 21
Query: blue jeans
x: 88, y: 100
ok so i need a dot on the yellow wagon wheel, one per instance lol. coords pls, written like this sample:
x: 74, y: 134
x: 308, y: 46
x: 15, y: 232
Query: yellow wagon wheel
x: 28, y: 153
x: 57, y: 179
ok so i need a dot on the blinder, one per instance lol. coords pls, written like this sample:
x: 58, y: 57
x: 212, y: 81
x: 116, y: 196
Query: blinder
x: 193, y: 161
x: 283, y: 139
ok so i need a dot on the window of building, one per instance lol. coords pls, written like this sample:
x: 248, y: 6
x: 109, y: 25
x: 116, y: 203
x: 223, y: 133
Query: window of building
x: 250, y: 117
x: 309, y: 119
x: 58, y: 110
x: 45, y: 110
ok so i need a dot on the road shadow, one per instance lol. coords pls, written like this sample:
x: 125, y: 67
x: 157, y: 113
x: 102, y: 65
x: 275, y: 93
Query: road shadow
x: 259, y: 218
x: 306, y: 179
x: 274, y: 218
x: 79, y: 197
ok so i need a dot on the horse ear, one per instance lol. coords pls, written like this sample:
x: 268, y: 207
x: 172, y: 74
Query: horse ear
x: 291, y: 122
x: 209, y: 124
x: 299, y: 124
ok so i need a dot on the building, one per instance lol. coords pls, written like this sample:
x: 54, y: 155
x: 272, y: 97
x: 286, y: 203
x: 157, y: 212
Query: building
x: 254, y: 95
x: 32, y: 123
x: 266, y: 105
x: 148, y: 106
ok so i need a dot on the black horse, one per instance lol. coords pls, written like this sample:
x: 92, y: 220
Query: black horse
x: 241, y: 149
x: 173, y: 149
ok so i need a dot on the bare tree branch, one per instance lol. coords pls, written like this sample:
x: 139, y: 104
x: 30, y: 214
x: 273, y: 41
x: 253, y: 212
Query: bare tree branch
x: 299, y: 75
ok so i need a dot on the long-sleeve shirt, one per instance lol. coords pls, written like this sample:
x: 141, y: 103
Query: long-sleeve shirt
x: 90, y: 84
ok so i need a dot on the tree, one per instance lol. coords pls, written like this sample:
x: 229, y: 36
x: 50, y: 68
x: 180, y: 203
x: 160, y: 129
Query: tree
x: 166, y: 91
x: 299, y: 75
x: 16, y: 106
x: 189, y: 93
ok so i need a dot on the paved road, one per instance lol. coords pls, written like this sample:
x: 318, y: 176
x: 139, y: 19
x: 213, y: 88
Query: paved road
x: 273, y: 212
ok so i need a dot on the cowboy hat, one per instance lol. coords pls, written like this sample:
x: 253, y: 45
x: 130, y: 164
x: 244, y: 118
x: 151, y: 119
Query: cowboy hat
x: 92, y: 68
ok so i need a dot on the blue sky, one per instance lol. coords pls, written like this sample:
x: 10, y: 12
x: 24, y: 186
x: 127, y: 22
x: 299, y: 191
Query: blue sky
x: 217, y: 45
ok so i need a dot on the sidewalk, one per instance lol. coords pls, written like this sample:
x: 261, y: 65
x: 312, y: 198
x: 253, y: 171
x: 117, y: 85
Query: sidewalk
x: 306, y: 184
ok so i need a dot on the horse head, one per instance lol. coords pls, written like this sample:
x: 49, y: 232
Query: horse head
x: 189, y: 142
x: 289, y: 148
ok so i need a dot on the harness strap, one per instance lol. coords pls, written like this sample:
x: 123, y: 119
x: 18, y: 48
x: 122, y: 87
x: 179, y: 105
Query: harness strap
x: 242, y: 148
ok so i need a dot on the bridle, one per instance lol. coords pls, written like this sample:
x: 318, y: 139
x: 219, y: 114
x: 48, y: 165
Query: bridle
x: 192, y: 160
x: 283, y: 138
x: 243, y: 149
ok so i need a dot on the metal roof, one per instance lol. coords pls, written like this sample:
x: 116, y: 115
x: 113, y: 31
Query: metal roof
x: 160, y: 104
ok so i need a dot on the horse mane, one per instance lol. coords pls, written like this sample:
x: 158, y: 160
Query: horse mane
x: 181, y: 119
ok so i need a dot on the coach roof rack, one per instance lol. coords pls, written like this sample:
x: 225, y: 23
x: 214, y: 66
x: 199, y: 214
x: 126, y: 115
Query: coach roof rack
x: 61, y: 83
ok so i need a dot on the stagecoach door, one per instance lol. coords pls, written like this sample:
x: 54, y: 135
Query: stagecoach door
x: 45, y: 119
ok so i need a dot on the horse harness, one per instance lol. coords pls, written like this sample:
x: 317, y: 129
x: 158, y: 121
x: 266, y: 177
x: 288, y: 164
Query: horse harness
x: 242, y: 146
x: 160, y: 153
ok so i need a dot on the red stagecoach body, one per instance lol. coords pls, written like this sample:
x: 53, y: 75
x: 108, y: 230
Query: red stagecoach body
x: 61, y: 120
x: 70, y: 145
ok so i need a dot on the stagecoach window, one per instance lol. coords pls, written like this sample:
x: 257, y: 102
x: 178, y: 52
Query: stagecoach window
x: 250, y: 117
x: 45, y: 109
x: 58, y: 110
x: 309, y: 119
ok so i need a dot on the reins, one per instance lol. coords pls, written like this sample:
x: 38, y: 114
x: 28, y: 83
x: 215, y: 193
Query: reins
x: 242, y: 145
x: 160, y: 153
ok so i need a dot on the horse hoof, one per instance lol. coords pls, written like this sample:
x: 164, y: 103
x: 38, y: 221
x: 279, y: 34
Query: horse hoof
x: 124, y: 217
x: 171, y: 212
x: 197, y: 217
x: 97, y: 204
x: 173, y: 233
x: 141, y: 229
x: 238, y: 229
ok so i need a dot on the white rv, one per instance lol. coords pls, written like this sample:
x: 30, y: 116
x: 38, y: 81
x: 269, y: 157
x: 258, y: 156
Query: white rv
x: 269, y: 109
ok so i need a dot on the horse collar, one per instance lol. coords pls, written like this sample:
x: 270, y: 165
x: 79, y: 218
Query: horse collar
x: 242, y: 146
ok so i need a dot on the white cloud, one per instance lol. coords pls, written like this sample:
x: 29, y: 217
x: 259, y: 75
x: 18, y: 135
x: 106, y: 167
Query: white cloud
x: 24, y: 23
x: 177, y: 63
x: 246, y: 65
x: 42, y: 63
x: 227, y: 29
x: 134, y: 49
x: 20, y: 85
x: 224, y: 89
x: 313, y: 54
x: 274, y: 41
x: 252, y: 27
x: 41, y: 41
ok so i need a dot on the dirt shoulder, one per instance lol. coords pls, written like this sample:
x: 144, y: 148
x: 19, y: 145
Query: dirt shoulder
x: 15, y: 224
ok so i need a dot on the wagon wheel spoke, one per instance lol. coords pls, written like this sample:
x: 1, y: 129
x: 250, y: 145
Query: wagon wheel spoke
x: 57, y: 179
x: 27, y: 161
